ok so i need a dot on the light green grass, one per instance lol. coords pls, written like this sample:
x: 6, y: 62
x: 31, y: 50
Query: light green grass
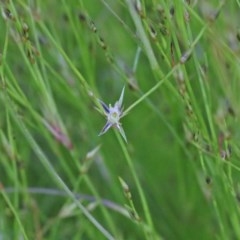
x: 177, y: 177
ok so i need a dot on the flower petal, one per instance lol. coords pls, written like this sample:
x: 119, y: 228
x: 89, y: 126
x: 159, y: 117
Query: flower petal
x: 105, y: 107
x: 105, y: 128
x: 119, y: 127
x: 120, y: 101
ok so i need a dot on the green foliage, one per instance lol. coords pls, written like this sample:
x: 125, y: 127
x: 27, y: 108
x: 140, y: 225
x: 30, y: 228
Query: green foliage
x: 176, y: 177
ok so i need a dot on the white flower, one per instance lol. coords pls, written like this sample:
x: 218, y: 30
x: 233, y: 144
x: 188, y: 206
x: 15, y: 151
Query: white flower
x: 113, y: 115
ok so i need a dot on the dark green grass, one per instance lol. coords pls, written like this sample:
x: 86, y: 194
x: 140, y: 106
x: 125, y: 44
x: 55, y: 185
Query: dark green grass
x: 177, y: 177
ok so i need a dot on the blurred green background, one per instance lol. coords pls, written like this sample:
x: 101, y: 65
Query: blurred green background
x: 176, y: 177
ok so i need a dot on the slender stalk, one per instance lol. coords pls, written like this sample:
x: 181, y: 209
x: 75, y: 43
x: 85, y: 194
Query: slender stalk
x: 48, y: 166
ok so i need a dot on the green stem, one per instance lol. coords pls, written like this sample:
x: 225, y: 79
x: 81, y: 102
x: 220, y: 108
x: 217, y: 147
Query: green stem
x: 149, y: 92
x: 142, y: 35
x: 48, y: 166
x: 14, y: 213
x: 138, y: 185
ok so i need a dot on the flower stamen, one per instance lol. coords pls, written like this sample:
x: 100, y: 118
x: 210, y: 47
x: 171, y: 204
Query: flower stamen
x: 113, y: 115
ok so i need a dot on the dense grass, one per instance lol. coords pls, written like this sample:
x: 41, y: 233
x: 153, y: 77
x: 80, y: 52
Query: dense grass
x: 178, y: 174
